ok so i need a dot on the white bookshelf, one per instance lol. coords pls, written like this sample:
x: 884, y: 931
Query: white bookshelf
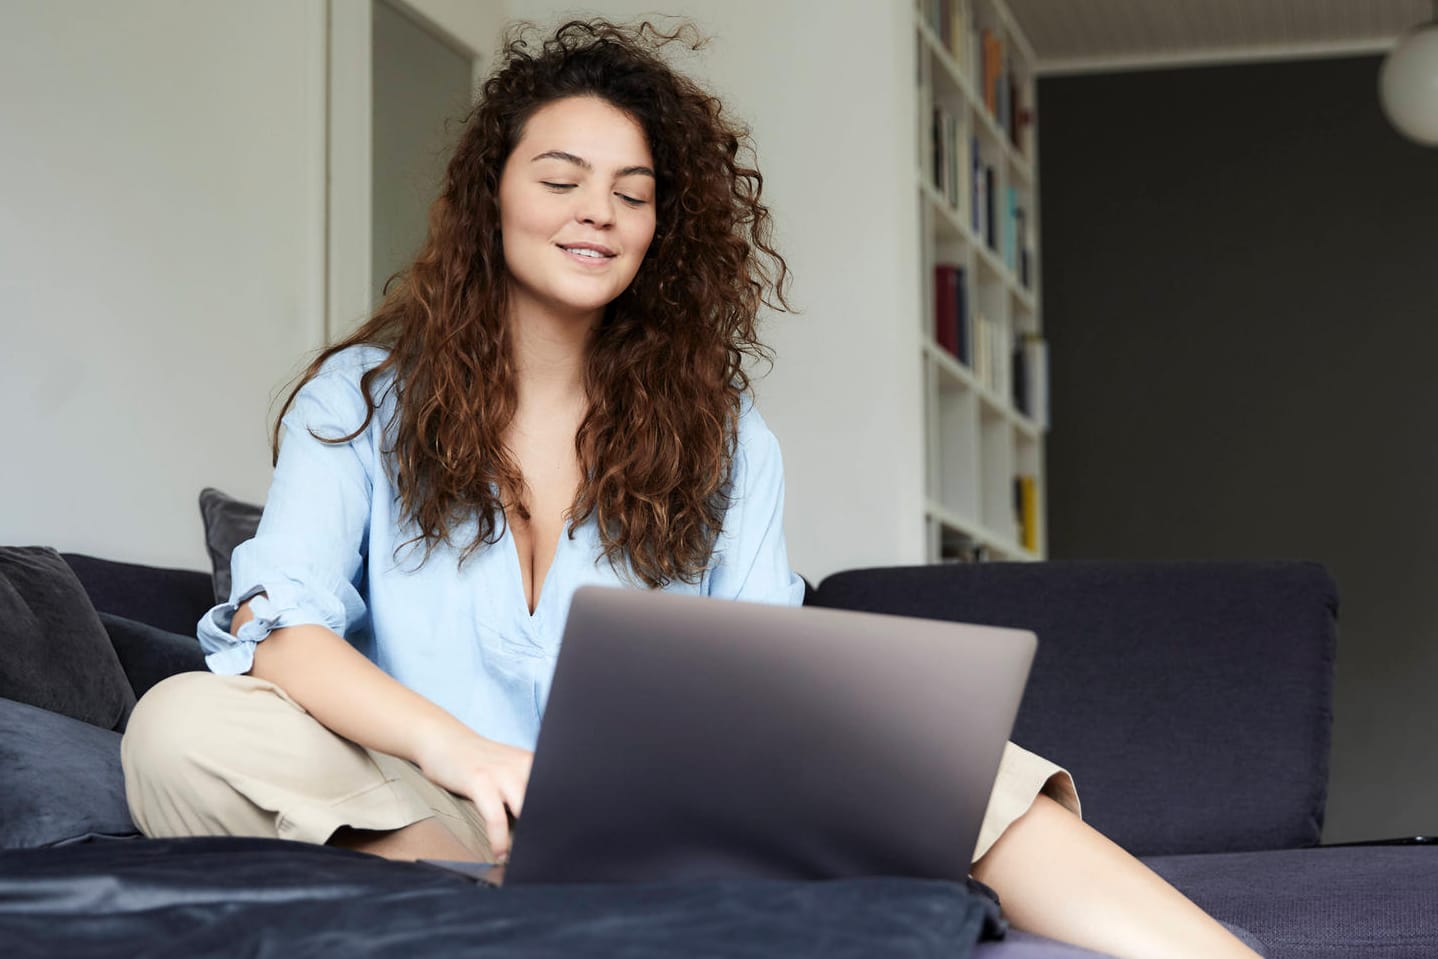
x: 984, y: 438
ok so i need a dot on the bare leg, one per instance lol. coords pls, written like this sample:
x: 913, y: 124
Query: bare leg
x: 426, y: 839
x: 1058, y: 877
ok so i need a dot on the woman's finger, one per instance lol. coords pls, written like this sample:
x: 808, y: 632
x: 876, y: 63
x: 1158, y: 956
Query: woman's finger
x: 514, y: 793
x: 517, y: 781
x: 496, y: 823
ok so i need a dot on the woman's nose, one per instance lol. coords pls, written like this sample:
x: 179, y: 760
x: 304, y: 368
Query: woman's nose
x: 596, y: 207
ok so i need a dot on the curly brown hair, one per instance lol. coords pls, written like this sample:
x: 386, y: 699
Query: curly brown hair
x: 665, y: 373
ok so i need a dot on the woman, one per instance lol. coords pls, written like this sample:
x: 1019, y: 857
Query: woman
x: 553, y: 394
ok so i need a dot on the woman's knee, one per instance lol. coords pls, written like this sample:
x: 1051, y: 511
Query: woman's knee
x: 170, y: 733
x: 170, y: 716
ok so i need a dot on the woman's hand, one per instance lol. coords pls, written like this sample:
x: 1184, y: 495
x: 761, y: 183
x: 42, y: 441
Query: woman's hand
x: 353, y: 698
x: 491, y: 775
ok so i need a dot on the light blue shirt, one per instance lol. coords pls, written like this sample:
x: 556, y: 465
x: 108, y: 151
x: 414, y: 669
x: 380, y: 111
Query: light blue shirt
x: 328, y: 553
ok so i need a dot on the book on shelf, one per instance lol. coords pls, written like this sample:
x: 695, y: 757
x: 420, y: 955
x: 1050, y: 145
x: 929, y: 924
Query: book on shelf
x: 991, y: 220
x: 1011, y: 228
x: 948, y: 170
x: 1014, y: 115
x: 951, y: 312
x: 1011, y: 127
x: 1016, y: 237
x: 1019, y: 121
x: 958, y: 36
x: 1004, y: 88
x: 1026, y: 511
x: 976, y: 185
x: 1019, y: 381
x: 936, y: 150
x: 991, y: 353
x: 1024, y: 241
x: 1002, y: 345
x: 1030, y: 380
x: 991, y: 67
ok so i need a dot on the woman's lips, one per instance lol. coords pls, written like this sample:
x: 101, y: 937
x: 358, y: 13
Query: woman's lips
x: 586, y: 258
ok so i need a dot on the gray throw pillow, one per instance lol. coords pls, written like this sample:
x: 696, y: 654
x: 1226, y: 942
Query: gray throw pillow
x: 62, y: 780
x: 54, y: 653
x: 228, y: 523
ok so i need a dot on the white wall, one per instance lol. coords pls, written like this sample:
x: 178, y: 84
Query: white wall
x: 829, y: 98
x: 161, y: 259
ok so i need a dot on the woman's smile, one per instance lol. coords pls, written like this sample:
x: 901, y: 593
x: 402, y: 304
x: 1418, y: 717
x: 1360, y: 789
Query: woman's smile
x: 588, y: 255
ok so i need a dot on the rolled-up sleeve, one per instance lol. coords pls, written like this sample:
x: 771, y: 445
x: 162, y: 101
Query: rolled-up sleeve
x: 306, y: 561
x: 751, y: 556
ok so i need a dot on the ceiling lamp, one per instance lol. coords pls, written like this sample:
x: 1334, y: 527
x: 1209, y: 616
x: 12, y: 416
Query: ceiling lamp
x: 1408, y: 83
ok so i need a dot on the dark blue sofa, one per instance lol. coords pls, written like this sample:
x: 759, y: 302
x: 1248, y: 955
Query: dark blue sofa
x: 1191, y: 701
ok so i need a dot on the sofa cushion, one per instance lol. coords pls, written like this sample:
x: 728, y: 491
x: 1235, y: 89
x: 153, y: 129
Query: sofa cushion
x: 54, y: 653
x: 1191, y: 701
x: 168, y: 599
x: 149, y: 654
x: 228, y: 523
x: 234, y: 896
x: 62, y: 779
x: 1328, y: 903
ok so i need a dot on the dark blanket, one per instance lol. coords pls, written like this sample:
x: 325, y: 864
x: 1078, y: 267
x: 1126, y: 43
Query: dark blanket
x: 253, y: 897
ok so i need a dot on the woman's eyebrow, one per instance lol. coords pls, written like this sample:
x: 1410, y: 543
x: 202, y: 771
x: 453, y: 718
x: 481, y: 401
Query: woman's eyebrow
x: 586, y: 165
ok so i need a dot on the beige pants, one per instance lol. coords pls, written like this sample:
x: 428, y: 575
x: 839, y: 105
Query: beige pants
x: 233, y: 755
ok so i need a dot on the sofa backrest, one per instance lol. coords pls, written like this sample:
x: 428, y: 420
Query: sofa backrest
x: 1191, y: 701
x: 168, y: 599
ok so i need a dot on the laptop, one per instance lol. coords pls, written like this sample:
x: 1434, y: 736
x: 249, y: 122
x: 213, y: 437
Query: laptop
x: 695, y: 738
